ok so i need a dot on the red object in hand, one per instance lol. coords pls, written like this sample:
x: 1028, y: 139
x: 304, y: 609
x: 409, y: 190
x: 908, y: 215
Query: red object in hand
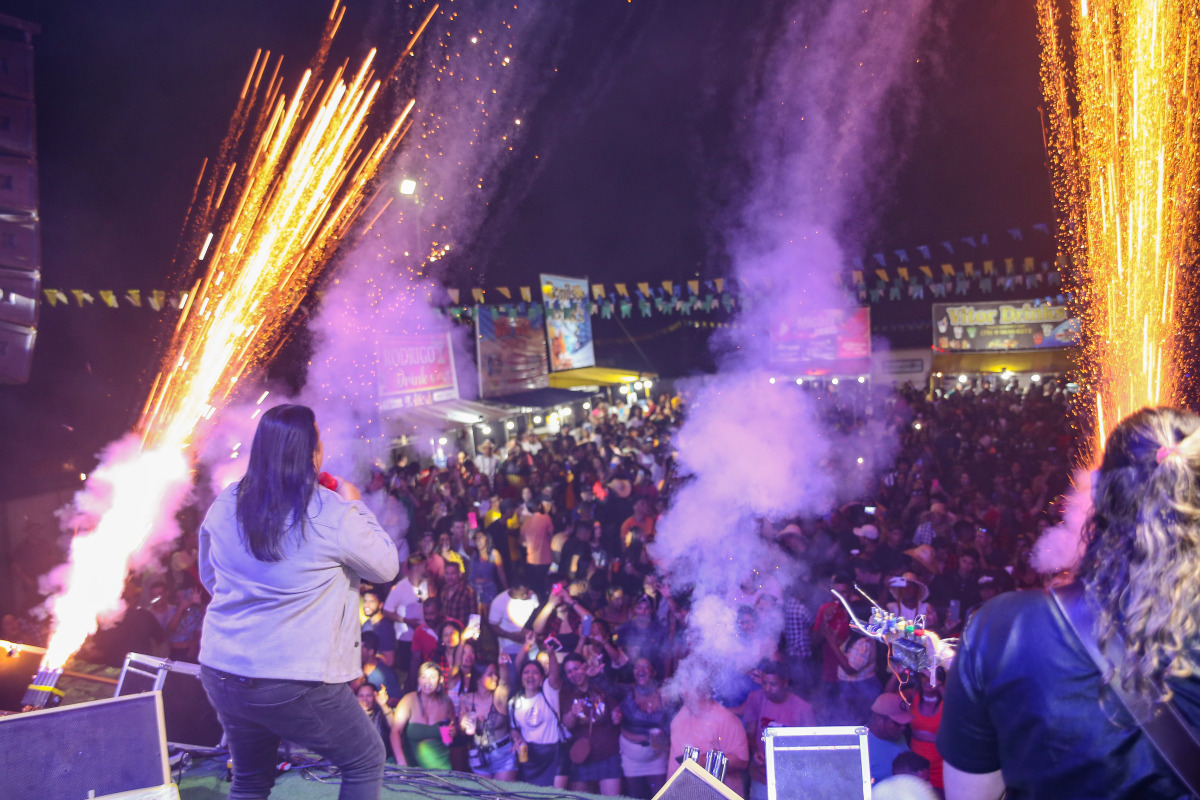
x: 328, y: 481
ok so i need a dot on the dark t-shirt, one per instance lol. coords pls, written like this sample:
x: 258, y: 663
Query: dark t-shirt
x: 602, y: 698
x: 575, y: 547
x: 1024, y: 696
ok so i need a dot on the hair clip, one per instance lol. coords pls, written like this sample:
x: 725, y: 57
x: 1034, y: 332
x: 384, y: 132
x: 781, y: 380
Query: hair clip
x: 1164, y: 452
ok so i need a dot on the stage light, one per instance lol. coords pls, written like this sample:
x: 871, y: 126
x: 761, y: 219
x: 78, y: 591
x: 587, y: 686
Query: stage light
x: 587, y: 406
x: 537, y: 420
x: 799, y: 381
x: 917, y: 426
x: 510, y: 425
x: 624, y: 389
x: 834, y: 381
x: 962, y: 378
x: 1035, y: 377
x: 860, y: 459
x: 862, y: 379
x: 646, y: 385
x: 408, y: 186
x: 83, y: 476
x: 442, y: 440
x: 566, y: 412
x: 772, y: 381
x: 486, y: 429
x: 638, y: 386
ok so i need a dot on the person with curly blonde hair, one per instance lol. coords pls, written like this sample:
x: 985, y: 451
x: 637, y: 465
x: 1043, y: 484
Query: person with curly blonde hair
x: 1026, y: 708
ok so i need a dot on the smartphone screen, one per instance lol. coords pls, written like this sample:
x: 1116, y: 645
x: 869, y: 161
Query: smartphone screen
x: 472, y: 520
x: 473, y: 622
x: 585, y: 627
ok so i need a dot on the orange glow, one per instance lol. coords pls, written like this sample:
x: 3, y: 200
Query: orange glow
x: 1125, y: 163
x: 292, y: 177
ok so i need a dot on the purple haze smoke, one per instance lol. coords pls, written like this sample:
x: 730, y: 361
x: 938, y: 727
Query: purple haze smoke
x: 822, y: 140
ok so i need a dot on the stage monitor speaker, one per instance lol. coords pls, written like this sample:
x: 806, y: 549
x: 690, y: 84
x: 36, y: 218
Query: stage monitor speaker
x: 817, y: 763
x: 191, y: 721
x: 96, y: 749
x: 691, y: 782
x: 17, y: 668
x: 19, y: 290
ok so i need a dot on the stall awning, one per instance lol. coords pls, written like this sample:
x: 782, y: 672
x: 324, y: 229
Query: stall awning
x: 596, y: 376
x: 450, y: 414
x: 1050, y: 360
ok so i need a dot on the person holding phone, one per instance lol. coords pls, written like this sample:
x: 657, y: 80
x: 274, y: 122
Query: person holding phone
x: 282, y: 558
x: 535, y: 724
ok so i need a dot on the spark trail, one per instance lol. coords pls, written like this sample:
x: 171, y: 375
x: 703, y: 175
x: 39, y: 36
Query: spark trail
x: 1123, y: 96
x: 293, y: 175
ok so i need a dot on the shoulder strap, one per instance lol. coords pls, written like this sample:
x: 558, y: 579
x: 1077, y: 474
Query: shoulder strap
x: 1161, y: 722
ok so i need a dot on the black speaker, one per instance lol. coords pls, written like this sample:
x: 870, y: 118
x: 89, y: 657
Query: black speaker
x: 94, y: 749
x: 17, y: 668
x: 817, y: 763
x: 691, y: 782
x: 191, y: 720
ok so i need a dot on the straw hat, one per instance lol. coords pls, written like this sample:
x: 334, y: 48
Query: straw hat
x: 924, y: 555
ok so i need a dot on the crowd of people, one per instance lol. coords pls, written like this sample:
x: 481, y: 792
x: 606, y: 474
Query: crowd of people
x: 530, y: 634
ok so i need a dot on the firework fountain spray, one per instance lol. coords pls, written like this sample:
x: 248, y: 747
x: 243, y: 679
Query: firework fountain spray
x: 755, y: 448
x: 293, y: 175
x: 1123, y: 96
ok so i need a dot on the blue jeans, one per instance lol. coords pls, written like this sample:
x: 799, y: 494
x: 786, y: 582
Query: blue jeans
x: 323, y: 717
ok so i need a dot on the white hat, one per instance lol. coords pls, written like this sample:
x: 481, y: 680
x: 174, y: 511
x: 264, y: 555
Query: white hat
x: 867, y: 532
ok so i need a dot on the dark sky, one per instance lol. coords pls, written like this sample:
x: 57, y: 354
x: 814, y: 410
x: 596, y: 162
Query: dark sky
x: 133, y: 94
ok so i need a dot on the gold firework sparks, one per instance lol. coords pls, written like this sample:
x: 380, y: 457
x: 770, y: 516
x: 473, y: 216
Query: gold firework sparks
x: 292, y: 176
x: 1123, y: 93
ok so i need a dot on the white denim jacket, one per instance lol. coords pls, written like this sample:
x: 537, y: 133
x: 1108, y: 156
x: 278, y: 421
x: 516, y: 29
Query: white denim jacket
x: 297, y: 618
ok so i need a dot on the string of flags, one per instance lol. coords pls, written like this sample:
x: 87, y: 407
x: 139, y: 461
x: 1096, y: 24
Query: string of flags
x: 944, y: 271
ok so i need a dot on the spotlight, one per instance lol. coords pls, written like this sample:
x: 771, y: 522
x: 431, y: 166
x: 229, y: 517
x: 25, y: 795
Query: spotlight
x: 408, y: 186
x: 772, y: 380
x: 646, y: 385
x: 510, y: 425
x: 799, y: 381
x: 486, y: 429
x: 537, y: 420
x: 834, y: 381
x: 862, y: 379
x: 442, y: 440
x: 83, y: 476
x: 917, y: 426
x: 962, y: 378
x: 860, y: 459
x: 624, y: 389
x: 587, y: 406
x: 637, y: 386
x: 566, y: 412
x: 1035, y: 377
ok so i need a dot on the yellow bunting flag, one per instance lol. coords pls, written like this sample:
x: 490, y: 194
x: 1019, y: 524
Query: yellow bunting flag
x: 81, y: 296
x: 948, y: 269
x: 477, y: 294
x: 669, y: 286
x: 928, y: 272
x: 720, y: 284
x: 882, y: 273
x: 134, y: 296
x: 644, y: 288
x: 1008, y: 266
x: 857, y: 276
x: 597, y: 291
x: 622, y: 290
x: 1028, y: 264
x: 504, y: 291
x: 156, y: 299
x: 454, y: 295
x: 903, y: 273
x: 54, y: 297
x: 989, y: 267
x: 109, y: 298
x: 526, y: 294
x: 694, y: 287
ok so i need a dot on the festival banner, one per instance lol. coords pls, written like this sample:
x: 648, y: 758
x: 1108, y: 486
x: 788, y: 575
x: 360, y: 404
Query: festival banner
x: 822, y: 340
x: 416, y: 370
x: 568, y: 322
x: 511, y: 351
x: 1002, y: 326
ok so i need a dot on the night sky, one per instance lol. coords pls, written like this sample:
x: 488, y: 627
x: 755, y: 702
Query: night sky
x: 132, y: 95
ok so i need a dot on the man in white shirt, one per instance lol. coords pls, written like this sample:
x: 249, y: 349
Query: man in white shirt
x: 508, y: 614
x: 403, y: 606
x: 486, y: 460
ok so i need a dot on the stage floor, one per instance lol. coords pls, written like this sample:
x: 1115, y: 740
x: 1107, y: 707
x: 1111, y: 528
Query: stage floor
x: 205, y: 780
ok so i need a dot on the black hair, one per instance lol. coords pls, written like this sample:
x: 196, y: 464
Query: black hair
x: 273, y: 497
x: 370, y: 640
x: 909, y: 763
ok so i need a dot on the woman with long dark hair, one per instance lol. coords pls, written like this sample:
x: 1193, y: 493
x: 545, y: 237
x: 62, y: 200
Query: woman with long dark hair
x: 1026, y: 706
x: 282, y: 558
